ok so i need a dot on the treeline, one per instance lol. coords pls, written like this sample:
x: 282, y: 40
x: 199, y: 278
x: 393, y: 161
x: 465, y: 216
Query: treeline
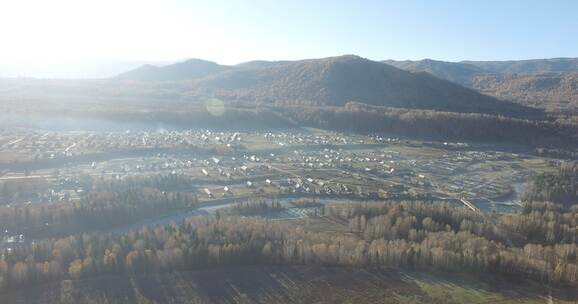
x: 254, y: 207
x: 410, y: 220
x: 163, y: 182
x: 20, y: 189
x: 433, y: 236
x: 408, y: 235
x: 305, y: 203
x: 363, y: 118
x: 556, y: 153
x: 248, y: 114
x: 558, y: 187
x: 108, y: 203
x: 95, y: 211
x: 543, y: 223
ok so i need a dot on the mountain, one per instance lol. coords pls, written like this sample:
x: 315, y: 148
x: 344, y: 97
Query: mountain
x: 332, y: 81
x: 544, y: 83
x: 337, y: 80
x: 532, y: 66
x: 189, y: 69
x: 261, y: 64
x: 556, y: 92
x: 457, y: 72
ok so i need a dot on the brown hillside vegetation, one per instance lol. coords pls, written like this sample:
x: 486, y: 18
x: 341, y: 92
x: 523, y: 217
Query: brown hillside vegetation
x: 456, y: 72
x: 529, y: 66
x: 551, y: 84
x: 555, y: 92
x: 337, y: 80
x: 433, y: 124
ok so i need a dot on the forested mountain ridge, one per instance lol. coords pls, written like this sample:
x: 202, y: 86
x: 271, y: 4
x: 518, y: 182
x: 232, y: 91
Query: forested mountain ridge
x: 457, y: 72
x: 189, y: 69
x: 529, y: 66
x: 554, y: 91
x: 460, y: 71
x: 338, y: 80
x: 544, y: 83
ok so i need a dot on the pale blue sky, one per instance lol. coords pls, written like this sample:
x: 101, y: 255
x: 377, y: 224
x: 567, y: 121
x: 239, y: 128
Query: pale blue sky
x: 233, y: 31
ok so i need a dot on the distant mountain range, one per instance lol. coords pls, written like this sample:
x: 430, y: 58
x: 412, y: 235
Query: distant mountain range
x: 329, y: 81
x: 542, y: 83
x: 531, y: 66
x: 189, y: 69
x: 550, y: 84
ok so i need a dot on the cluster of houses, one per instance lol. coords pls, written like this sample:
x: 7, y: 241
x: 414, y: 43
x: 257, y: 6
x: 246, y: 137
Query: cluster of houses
x: 324, y: 164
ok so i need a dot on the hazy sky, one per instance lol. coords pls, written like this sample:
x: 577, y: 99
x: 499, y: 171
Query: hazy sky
x: 73, y: 31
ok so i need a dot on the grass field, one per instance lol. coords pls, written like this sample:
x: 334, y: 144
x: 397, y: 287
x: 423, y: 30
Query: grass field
x: 284, y: 284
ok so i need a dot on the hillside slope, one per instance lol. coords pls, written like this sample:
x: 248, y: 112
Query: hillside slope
x: 330, y: 81
x: 531, y: 66
x: 338, y: 80
x: 189, y: 69
x: 555, y: 92
x: 457, y: 72
x: 543, y: 83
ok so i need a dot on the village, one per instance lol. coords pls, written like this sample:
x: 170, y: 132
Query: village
x: 56, y: 166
